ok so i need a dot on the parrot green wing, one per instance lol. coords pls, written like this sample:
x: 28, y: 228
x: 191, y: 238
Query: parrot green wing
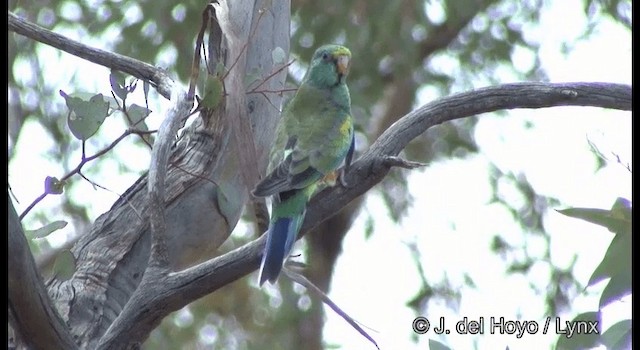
x: 310, y: 155
x: 292, y: 173
x: 315, y: 134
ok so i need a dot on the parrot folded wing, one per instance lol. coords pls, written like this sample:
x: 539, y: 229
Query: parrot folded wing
x: 289, y: 175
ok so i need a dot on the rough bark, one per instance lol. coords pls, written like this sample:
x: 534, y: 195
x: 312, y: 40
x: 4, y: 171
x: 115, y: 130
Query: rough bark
x: 31, y: 312
x: 204, y: 195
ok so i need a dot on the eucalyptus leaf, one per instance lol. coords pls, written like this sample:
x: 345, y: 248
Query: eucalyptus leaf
x: 65, y: 265
x: 616, y: 259
x: 618, y: 336
x: 616, y: 223
x: 85, y: 117
x: 146, y: 87
x: 117, y: 80
x: 436, y: 345
x: 46, y: 229
x: 618, y: 286
x: 137, y: 114
x: 212, y: 92
x: 578, y: 340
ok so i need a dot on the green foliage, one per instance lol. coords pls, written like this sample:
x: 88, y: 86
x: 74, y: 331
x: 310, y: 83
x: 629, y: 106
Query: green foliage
x: 136, y: 115
x: 617, y: 219
x: 46, y: 229
x: 85, y: 117
x: 583, y: 340
x: 619, y: 10
x: 118, y: 85
x: 65, y: 265
x: 615, y: 265
x: 212, y: 92
x: 618, y: 336
x: 436, y: 345
x: 400, y: 50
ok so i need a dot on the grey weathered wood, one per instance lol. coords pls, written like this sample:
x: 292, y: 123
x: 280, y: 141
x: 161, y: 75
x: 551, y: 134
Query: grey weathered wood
x: 157, y: 77
x: 204, y: 195
x: 178, y: 289
x: 31, y: 313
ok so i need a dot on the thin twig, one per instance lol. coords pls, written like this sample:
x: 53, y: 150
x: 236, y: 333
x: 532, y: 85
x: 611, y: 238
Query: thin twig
x: 84, y: 160
x: 33, y: 204
x: 274, y: 73
x: 303, y: 281
x: 181, y: 288
x: 280, y: 91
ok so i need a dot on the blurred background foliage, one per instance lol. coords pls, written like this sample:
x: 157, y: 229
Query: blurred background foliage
x: 405, y: 53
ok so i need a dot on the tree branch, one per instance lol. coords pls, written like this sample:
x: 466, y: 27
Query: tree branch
x: 157, y: 174
x: 228, y: 189
x: 30, y: 310
x: 157, y: 77
x: 181, y: 288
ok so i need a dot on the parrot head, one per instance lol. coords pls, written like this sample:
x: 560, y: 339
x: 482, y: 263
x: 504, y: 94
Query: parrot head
x: 329, y: 66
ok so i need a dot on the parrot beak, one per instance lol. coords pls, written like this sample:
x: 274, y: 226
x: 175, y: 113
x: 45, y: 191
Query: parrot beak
x: 343, y: 64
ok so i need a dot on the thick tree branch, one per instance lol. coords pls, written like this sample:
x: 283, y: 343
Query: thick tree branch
x: 181, y: 288
x: 30, y: 310
x: 157, y: 77
x: 228, y: 189
x: 157, y: 174
x: 235, y: 86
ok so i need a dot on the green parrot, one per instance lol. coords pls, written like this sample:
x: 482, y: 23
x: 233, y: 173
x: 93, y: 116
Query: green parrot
x: 314, y: 137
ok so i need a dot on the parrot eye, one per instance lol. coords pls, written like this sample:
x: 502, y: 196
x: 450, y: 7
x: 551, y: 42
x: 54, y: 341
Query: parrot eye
x: 325, y: 56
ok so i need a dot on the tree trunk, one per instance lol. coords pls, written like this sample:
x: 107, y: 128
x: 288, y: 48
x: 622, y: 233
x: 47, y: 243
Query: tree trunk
x: 204, y: 192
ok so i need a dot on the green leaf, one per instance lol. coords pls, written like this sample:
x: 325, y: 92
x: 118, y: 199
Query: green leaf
x: 86, y: 96
x: 617, y: 220
x: 278, y: 55
x: 117, y: 80
x: 85, y: 117
x: 65, y: 265
x: 212, y: 92
x: 622, y: 209
x: 137, y: 114
x: 618, y: 336
x: 616, y: 260
x: 133, y: 83
x: 578, y: 341
x: 436, y: 345
x: 618, y: 286
x: 146, y: 87
x: 53, y: 186
x: 46, y: 229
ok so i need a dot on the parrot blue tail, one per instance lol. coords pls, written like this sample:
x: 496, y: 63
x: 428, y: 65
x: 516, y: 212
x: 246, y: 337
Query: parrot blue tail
x: 280, y: 237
